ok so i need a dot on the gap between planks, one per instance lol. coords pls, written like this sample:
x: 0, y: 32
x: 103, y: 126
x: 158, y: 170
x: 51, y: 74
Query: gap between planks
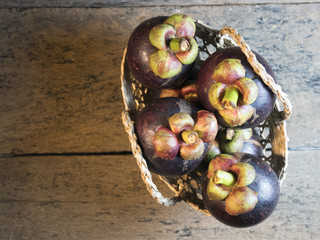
x: 67, y: 154
x: 293, y: 149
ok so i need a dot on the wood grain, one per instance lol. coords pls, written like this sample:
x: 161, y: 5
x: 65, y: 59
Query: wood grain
x: 143, y: 3
x: 60, y: 69
x: 103, y: 197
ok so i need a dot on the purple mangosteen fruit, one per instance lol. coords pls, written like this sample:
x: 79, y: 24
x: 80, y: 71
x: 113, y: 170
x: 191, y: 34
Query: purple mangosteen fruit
x: 228, y: 86
x: 189, y: 92
x: 174, y: 135
x: 186, y: 91
x: 162, y: 51
x: 240, y: 190
x: 240, y: 140
x: 213, y: 151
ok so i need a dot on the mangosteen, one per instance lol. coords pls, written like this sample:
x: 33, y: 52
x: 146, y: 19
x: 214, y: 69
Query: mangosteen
x: 240, y: 140
x: 174, y: 135
x: 162, y: 51
x: 228, y: 86
x: 240, y: 190
x: 187, y: 91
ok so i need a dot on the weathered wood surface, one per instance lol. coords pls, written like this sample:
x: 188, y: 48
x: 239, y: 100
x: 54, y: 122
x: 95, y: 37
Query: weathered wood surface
x: 103, y: 197
x: 60, y: 69
x: 148, y: 3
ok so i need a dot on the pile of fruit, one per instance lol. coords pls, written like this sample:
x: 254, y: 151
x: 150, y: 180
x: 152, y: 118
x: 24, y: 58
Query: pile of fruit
x: 204, y: 116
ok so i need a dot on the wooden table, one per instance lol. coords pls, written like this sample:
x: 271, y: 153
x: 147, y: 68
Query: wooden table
x: 66, y: 168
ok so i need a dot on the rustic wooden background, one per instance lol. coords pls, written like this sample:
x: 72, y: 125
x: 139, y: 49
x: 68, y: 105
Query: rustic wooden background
x: 66, y: 170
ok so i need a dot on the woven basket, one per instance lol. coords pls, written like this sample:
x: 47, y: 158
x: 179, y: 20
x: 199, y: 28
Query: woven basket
x: 272, y: 131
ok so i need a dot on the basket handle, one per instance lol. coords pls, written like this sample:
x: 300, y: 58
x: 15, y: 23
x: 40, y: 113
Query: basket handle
x: 260, y: 70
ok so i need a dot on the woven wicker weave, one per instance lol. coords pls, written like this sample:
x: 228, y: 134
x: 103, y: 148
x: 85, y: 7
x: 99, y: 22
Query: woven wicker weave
x: 272, y: 131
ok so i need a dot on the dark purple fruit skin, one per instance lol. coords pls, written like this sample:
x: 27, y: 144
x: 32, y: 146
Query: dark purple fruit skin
x: 266, y: 184
x: 266, y: 98
x: 138, y: 51
x: 253, y: 145
x: 157, y: 114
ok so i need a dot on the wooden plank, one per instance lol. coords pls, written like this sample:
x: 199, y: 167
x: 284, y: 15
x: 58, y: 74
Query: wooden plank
x: 66, y: 77
x: 60, y: 68
x: 129, y: 3
x: 103, y: 197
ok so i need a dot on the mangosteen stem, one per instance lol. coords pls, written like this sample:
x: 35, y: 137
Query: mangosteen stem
x: 223, y: 177
x: 190, y: 137
x: 179, y: 44
x: 230, y: 98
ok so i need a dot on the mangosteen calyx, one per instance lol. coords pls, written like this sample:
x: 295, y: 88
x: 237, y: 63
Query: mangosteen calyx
x: 175, y: 45
x: 229, y: 181
x: 232, y: 93
x: 232, y: 140
x: 185, y: 136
